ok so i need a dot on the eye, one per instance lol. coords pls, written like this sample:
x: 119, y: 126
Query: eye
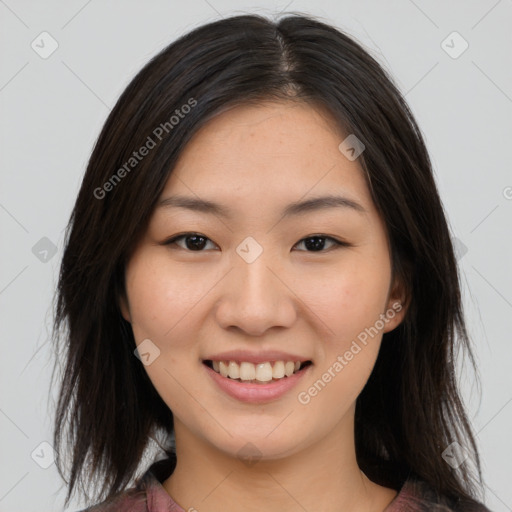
x: 193, y: 241
x: 317, y: 242
x: 196, y: 242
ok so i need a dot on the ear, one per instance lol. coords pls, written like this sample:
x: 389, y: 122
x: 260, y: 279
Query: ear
x: 123, y: 306
x: 397, y: 306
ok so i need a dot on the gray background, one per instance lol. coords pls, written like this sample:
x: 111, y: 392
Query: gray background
x: 53, y: 110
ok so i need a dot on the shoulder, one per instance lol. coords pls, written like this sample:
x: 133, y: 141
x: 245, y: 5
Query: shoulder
x: 134, y: 499
x: 146, y: 495
x: 417, y: 495
x: 124, y: 501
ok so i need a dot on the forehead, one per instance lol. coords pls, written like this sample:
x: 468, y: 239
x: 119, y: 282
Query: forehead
x: 266, y: 155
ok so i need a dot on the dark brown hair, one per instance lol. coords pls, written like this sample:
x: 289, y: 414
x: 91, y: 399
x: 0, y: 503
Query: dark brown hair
x: 410, y: 409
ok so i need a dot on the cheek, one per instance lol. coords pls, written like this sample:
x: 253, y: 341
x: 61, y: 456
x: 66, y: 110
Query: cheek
x: 348, y: 301
x: 161, y: 296
x: 161, y: 299
x: 348, y: 298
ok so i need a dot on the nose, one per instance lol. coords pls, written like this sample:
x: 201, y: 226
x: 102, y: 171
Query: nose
x: 255, y: 298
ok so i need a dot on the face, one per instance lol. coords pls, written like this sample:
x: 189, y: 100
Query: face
x: 313, y: 284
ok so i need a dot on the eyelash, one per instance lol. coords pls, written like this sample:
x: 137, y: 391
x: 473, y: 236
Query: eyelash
x: 337, y: 243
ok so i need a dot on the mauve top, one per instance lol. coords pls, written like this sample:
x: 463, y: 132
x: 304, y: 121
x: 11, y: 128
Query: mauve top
x: 149, y: 495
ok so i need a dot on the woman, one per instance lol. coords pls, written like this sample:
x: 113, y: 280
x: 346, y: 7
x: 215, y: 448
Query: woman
x: 258, y: 268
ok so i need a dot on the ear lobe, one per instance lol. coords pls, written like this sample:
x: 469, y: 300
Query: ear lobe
x: 395, y: 313
x: 397, y: 306
x: 125, y: 310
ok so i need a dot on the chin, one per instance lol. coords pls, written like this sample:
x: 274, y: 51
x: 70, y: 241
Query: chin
x: 250, y: 447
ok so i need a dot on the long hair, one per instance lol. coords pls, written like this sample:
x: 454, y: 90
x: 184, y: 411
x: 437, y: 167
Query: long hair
x: 410, y: 409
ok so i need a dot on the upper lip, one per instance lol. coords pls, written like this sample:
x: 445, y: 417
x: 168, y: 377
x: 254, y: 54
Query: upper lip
x: 256, y: 357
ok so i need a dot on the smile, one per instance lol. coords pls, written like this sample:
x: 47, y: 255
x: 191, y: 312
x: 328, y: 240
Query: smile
x: 250, y: 389
x: 244, y: 371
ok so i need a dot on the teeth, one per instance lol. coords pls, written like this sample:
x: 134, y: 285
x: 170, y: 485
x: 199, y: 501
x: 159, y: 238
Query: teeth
x: 264, y: 372
x: 278, y: 370
x: 223, y: 368
x: 247, y: 371
x: 234, y: 370
x: 261, y: 372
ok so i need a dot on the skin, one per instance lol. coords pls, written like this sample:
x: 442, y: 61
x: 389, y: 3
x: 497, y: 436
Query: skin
x: 194, y: 303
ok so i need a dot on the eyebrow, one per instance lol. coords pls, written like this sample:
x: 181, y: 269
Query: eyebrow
x: 293, y: 209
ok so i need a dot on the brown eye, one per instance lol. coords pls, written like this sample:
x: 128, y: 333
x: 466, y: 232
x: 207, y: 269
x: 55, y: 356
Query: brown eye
x: 194, y: 242
x: 316, y: 243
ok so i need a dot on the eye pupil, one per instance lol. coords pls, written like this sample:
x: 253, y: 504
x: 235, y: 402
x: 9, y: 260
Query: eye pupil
x: 316, y: 244
x: 191, y: 246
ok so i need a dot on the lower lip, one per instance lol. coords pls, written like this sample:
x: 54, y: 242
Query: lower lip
x: 256, y: 393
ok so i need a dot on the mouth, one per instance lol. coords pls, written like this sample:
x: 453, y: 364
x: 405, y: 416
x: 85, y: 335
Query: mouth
x: 260, y: 373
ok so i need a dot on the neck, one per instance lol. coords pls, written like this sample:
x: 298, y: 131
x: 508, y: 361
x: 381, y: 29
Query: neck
x: 324, y: 476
